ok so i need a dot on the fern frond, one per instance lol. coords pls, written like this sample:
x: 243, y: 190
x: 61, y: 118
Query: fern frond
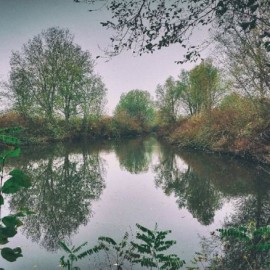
x: 63, y: 245
x: 107, y: 240
x: 79, y: 247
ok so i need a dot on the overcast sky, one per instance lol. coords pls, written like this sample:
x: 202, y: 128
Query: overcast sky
x: 20, y: 20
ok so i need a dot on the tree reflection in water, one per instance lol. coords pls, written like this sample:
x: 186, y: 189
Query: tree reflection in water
x: 201, y: 182
x: 194, y: 192
x: 66, y: 184
x: 135, y: 155
x: 253, y: 216
x: 61, y: 195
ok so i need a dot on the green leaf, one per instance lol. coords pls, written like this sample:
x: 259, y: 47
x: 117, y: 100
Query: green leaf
x: 89, y: 252
x: 146, y: 239
x: 143, y: 249
x: 145, y: 230
x: 11, y: 255
x: 107, y: 240
x: 18, y: 180
x: 166, y: 245
x: 11, y: 153
x: 79, y: 247
x: 10, y: 186
x: 6, y: 232
x: 12, y: 221
x: 22, y: 179
x: 1, y: 200
x: 64, y: 247
x: 148, y: 262
x: 3, y: 239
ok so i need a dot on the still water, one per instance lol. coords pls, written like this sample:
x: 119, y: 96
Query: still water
x: 81, y: 191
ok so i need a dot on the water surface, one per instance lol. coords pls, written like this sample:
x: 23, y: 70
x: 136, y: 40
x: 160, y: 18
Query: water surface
x: 84, y: 190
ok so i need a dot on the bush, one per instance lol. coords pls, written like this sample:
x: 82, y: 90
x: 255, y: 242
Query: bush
x: 11, y: 119
x: 233, y: 126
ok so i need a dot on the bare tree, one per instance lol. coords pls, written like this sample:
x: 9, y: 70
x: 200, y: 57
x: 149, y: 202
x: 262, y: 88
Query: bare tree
x: 246, y: 61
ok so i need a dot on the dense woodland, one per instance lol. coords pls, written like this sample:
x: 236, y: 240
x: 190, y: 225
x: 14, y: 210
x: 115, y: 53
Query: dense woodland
x: 222, y: 104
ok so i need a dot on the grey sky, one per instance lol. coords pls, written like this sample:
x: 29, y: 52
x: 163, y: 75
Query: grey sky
x: 20, y: 20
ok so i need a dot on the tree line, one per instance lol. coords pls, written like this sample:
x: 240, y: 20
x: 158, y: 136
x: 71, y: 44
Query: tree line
x: 53, y: 78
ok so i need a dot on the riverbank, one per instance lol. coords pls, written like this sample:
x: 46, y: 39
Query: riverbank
x: 237, y: 131
x: 242, y: 134
x: 38, y: 130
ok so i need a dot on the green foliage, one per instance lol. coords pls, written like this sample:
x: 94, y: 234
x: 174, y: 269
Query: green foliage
x: 11, y: 255
x: 150, y: 250
x: 117, y: 254
x: 136, y: 109
x: 16, y: 181
x: 252, y: 238
x: 196, y: 91
x: 74, y: 254
x: 9, y: 225
x: 168, y: 101
x: 235, y: 247
x: 137, y: 159
x: 200, y: 88
x: 192, y: 189
x: 243, y: 241
x: 9, y: 140
x: 38, y: 130
x: 93, y: 99
x: 235, y: 126
x: 53, y: 76
x: 246, y: 109
x: 63, y: 186
x: 10, y: 153
x: 10, y: 130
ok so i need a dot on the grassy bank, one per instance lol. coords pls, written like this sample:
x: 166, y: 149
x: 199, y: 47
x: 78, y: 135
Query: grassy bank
x: 39, y: 130
x: 237, y: 127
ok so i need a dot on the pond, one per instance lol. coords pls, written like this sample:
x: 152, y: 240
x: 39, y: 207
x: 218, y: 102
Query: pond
x: 81, y: 191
